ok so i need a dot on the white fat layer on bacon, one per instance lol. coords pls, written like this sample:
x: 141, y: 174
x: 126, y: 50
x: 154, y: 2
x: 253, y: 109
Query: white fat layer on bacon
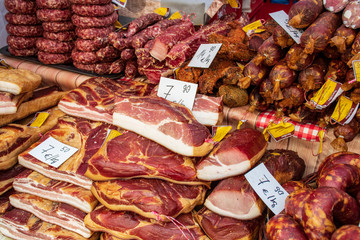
x: 215, y: 172
x: 76, y: 110
x: 9, y: 87
x: 151, y: 132
x: 254, y: 211
x: 7, y: 110
x: 26, y: 186
x: 70, y: 177
x: 71, y: 223
x: 15, y: 232
x: 207, y: 118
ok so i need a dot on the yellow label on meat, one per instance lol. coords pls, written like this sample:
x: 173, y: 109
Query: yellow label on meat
x: 325, y: 92
x: 175, y: 15
x: 234, y: 3
x: 253, y: 26
x: 221, y: 133
x: 356, y: 67
x: 112, y: 134
x: 281, y: 130
x: 40, y: 119
x: 342, y: 109
x: 162, y: 11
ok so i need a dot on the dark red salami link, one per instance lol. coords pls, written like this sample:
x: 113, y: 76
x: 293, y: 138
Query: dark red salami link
x: 107, y: 53
x: 24, y: 30
x: 52, y: 46
x: 60, y: 36
x: 90, y: 1
x: 303, y: 13
x: 89, y: 22
x: 54, y: 58
x: 20, y: 6
x: 58, y: 26
x: 335, y: 5
x: 22, y: 52
x: 139, y: 40
x: 117, y: 66
x: 21, y: 42
x: 102, y: 68
x: 120, y: 43
x: 85, y: 67
x: 93, y: 10
x: 92, y: 33
x: 53, y: 4
x: 53, y: 15
x: 128, y: 54
x: 88, y: 45
x: 84, y: 57
x: 23, y: 19
x: 317, y: 36
x: 351, y: 15
x: 131, y: 69
x: 142, y: 22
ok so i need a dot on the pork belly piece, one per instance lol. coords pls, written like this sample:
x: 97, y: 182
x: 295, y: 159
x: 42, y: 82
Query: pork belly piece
x: 7, y: 177
x: 18, y: 81
x: 10, y: 102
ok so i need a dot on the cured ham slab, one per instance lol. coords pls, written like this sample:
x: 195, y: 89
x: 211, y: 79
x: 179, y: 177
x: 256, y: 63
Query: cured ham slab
x: 15, y: 138
x: 10, y: 102
x: 128, y: 225
x: 94, y: 99
x: 208, y: 110
x: 7, y: 177
x: 151, y: 198
x: 86, y: 136
x: 19, y: 224
x: 225, y: 228
x: 57, y: 213
x: 169, y: 124
x: 238, y: 152
x: 132, y: 156
x: 34, y: 183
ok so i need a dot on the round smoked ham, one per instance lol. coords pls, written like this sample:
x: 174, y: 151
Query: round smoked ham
x: 234, y: 155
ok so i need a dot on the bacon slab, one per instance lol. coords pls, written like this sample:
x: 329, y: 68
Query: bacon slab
x: 132, y: 156
x: 19, y: 224
x: 169, y: 124
x: 10, y: 102
x: 5, y: 202
x: 94, y: 99
x: 18, y: 81
x: 129, y: 225
x: 86, y: 136
x: 57, y: 213
x: 34, y: 183
x: 151, y: 198
x: 16, y: 138
x: 7, y: 177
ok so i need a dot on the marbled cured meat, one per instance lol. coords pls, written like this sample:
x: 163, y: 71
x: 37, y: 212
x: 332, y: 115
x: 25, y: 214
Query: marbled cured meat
x: 20, y: 224
x: 208, y: 110
x: 34, y: 183
x: 92, y: 22
x: 53, y: 4
x: 89, y: 45
x: 17, y: 42
x: 24, y: 30
x: 53, y: 15
x: 63, y: 36
x: 5, y: 205
x: 7, y: 177
x: 90, y: 1
x: 169, y: 124
x: 168, y: 38
x: 235, y: 154
x: 54, y: 58
x: 132, y: 156
x: 234, y: 197
x: 84, y: 57
x: 226, y: 228
x: 10, y: 102
x: 142, y: 22
x: 57, y: 213
x: 58, y: 26
x: 95, y: 10
x: 52, y: 46
x: 107, y: 53
x: 151, y: 198
x: 94, y: 99
x: 93, y: 33
x: 129, y: 225
x: 25, y: 19
x: 20, y: 6
x: 25, y: 52
x: 80, y: 133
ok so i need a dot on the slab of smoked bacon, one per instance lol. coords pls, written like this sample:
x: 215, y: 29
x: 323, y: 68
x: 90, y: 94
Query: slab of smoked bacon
x: 129, y: 225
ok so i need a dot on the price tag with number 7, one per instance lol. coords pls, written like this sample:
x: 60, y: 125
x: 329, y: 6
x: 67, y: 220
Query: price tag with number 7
x: 177, y: 91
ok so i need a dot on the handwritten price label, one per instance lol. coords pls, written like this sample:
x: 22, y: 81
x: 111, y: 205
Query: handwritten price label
x: 205, y: 55
x: 267, y: 188
x: 282, y: 19
x: 177, y: 91
x: 53, y: 152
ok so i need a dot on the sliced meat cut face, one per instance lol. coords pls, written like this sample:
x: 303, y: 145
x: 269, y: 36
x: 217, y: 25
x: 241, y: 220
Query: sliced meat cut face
x: 208, y: 110
x: 132, y: 156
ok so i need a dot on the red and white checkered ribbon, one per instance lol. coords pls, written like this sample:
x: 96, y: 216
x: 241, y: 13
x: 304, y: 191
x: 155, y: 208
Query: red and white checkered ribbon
x: 304, y: 131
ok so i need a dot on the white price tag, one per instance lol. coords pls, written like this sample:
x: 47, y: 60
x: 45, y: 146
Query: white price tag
x: 177, y: 91
x: 267, y: 188
x: 282, y: 19
x: 53, y: 152
x: 205, y: 55
x: 120, y: 3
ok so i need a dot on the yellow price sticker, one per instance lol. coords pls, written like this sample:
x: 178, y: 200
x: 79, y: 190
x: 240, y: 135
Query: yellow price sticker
x: 327, y: 93
x: 162, y: 11
x: 234, y: 3
x: 253, y: 26
x: 356, y: 67
x: 221, y: 133
x: 175, y: 15
x: 118, y: 24
x: 39, y: 119
x: 112, y: 134
x: 342, y: 109
x: 281, y: 130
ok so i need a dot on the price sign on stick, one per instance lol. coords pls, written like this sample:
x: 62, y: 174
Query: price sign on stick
x: 282, y: 19
x: 205, y: 55
x: 267, y: 188
x: 53, y: 152
x: 177, y: 91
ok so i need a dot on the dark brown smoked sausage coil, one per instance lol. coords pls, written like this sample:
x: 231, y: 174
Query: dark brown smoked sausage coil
x: 89, y: 22
x: 93, y: 10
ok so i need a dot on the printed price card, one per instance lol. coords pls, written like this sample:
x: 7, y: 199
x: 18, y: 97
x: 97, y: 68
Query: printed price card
x: 53, y: 152
x: 267, y: 188
x: 356, y: 67
x: 205, y: 55
x: 177, y: 91
x: 282, y: 19
x: 120, y: 3
x: 344, y: 111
